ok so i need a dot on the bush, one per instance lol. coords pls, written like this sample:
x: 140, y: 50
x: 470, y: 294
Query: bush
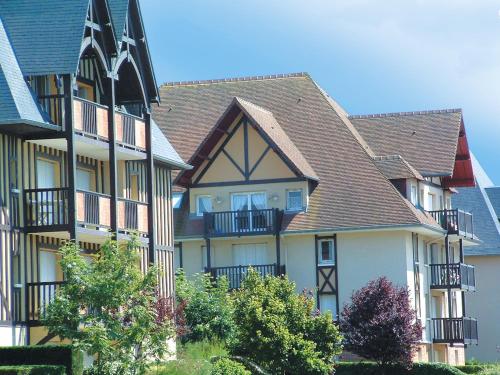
x: 64, y: 355
x: 207, y: 308
x: 472, y: 369
x: 226, y: 366
x: 368, y: 368
x: 280, y: 330
x: 32, y: 370
x: 380, y: 325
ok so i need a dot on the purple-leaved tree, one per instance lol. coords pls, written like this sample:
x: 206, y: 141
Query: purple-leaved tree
x: 380, y: 324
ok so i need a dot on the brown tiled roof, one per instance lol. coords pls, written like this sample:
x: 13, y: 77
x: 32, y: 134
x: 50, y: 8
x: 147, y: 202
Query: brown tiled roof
x: 415, y: 136
x: 394, y: 167
x: 352, y: 192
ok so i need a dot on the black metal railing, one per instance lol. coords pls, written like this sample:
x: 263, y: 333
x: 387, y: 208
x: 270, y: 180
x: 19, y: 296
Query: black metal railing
x: 454, y: 221
x: 92, y: 209
x: 128, y: 129
x: 455, y: 330
x: 454, y: 275
x: 133, y: 215
x: 241, y: 223
x: 53, y: 105
x: 89, y: 119
x: 38, y: 297
x: 46, y: 207
x: 236, y: 274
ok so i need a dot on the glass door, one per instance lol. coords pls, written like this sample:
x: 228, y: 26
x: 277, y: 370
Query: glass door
x: 46, y: 179
x: 248, y: 214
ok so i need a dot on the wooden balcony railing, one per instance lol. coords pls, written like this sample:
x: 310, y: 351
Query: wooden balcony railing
x: 130, y: 130
x: 242, y: 223
x: 132, y: 216
x: 90, y: 119
x: 46, y: 209
x: 54, y: 107
x: 236, y: 274
x: 454, y: 275
x: 455, y: 330
x: 455, y: 221
x: 38, y: 297
x: 93, y: 209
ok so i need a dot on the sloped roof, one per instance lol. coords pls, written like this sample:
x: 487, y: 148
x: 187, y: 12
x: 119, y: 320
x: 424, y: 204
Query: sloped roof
x: 485, y: 220
x: 119, y: 11
x: 352, y: 192
x: 17, y: 103
x: 395, y: 167
x: 163, y: 150
x: 494, y: 196
x: 46, y: 34
x: 415, y: 136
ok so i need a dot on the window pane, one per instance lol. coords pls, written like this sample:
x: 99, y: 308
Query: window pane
x: 294, y: 200
x: 326, y: 252
x: 204, y: 204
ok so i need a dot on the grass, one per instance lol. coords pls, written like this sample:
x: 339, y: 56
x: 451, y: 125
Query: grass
x: 191, y: 359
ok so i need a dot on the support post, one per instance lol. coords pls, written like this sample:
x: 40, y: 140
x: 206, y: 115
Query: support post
x: 70, y: 153
x: 150, y: 186
x: 209, y: 260
x: 113, y: 180
x: 448, y: 279
x: 278, y: 242
x: 462, y: 261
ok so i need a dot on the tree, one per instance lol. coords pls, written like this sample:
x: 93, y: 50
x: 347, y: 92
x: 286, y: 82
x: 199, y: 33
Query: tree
x: 207, y: 307
x: 380, y: 325
x: 280, y: 330
x: 109, y: 309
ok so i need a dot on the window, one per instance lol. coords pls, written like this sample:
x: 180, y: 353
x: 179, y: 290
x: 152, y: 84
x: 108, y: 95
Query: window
x: 203, y: 204
x: 177, y: 200
x: 414, y: 197
x: 326, y: 252
x: 431, y: 201
x: 84, y: 179
x: 328, y: 302
x: 294, y: 200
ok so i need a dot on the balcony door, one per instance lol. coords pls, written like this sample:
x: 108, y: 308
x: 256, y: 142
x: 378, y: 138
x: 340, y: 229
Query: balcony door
x: 83, y: 179
x: 250, y: 254
x: 247, y: 217
x: 46, y: 173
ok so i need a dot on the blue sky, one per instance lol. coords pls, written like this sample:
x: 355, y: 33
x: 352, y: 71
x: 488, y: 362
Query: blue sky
x: 371, y: 56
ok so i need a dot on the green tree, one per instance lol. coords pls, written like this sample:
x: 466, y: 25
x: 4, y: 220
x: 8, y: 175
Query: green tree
x: 280, y: 330
x: 208, y: 307
x: 109, y: 309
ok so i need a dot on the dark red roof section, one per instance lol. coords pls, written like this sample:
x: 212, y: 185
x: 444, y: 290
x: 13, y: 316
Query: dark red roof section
x: 463, y: 175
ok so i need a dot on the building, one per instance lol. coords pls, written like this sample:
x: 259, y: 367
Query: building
x: 483, y: 201
x: 80, y: 156
x: 285, y: 180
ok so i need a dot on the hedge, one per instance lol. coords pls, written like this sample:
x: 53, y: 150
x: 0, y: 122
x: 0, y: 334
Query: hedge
x: 368, y: 368
x: 58, y: 355
x: 226, y: 366
x: 472, y: 369
x: 33, y: 370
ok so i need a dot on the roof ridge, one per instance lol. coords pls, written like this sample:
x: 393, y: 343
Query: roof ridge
x: 244, y: 101
x: 234, y: 79
x: 393, y: 114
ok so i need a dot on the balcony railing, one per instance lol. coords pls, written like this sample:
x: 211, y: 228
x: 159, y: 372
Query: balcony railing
x: 242, y: 223
x: 90, y: 119
x: 38, y: 297
x: 236, y: 274
x: 46, y: 209
x: 130, y: 130
x: 455, y: 330
x: 93, y: 209
x: 54, y: 107
x: 132, y: 216
x: 455, y: 221
x: 461, y: 276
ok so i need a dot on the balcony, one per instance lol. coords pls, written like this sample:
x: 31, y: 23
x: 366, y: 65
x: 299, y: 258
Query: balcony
x: 132, y: 216
x: 455, y: 221
x: 454, y: 275
x: 93, y: 209
x: 236, y: 274
x: 46, y: 210
x: 38, y: 296
x: 454, y: 330
x: 242, y: 223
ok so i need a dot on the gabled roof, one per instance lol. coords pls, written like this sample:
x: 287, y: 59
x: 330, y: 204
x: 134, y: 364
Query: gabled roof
x: 485, y: 220
x: 352, y: 192
x: 163, y: 150
x: 395, y: 167
x: 494, y: 196
x: 46, y: 34
x: 119, y: 11
x: 428, y: 140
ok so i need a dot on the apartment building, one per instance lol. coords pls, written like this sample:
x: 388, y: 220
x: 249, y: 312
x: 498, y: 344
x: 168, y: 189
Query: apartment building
x: 483, y: 201
x: 286, y: 181
x: 80, y: 157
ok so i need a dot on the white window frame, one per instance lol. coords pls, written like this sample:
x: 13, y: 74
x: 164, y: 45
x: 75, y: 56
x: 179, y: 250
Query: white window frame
x: 198, y: 213
x: 301, y: 208
x: 322, y: 262
x: 414, y: 194
x: 177, y: 200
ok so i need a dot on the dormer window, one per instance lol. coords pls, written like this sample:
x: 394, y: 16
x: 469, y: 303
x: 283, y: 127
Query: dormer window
x: 203, y: 204
x: 414, y: 195
x: 294, y: 200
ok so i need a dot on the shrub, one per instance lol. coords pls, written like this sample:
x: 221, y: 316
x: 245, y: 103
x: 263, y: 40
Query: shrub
x: 33, y: 370
x: 207, y: 308
x: 367, y: 368
x: 472, y: 369
x: 380, y: 325
x: 280, y: 330
x: 226, y: 366
x: 65, y: 355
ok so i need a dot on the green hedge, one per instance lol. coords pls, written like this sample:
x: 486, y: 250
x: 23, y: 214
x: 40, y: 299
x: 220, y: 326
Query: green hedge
x: 367, y: 368
x: 226, y: 366
x: 58, y: 355
x: 32, y: 370
x: 472, y: 369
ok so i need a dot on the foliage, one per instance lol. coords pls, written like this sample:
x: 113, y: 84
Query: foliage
x: 64, y: 355
x: 226, y: 366
x: 208, y: 308
x: 279, y: 329
x: 472, y: 369
x: 380, y: 325
x: 33, y: 370
x: 370, y: 368
x: 108, y: 308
